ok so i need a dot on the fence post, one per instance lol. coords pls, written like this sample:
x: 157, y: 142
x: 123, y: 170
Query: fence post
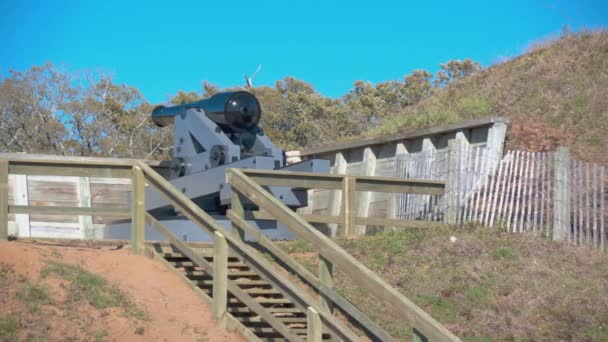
x: 349, y: 204
x: 3, y: 199
x: 368, y: 168
x: 561, y: 196
x: 138, y: 211
x: 84, y: 200
x: 326, y: 278
x: 335, y: 196
x: 314, y: 326
x: 451, y: 209
x: 220, y: 279
x: 20, y: 195
x: 238, y: 208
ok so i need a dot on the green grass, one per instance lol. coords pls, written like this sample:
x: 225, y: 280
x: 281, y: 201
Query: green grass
x: 488, y: 285
x: 85, y: 285
x: 34, y: 295
x: 9, y: 326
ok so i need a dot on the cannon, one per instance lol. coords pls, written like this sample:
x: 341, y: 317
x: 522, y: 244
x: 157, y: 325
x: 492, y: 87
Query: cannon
x: 210, y: 136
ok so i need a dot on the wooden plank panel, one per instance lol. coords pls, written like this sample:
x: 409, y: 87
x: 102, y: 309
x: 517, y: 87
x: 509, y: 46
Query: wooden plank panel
x: 110, y: 193
x: 44, y: 191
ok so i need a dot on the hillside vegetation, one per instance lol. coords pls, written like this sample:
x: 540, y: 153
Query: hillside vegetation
x: 483, y: 285
x: 555, y: 94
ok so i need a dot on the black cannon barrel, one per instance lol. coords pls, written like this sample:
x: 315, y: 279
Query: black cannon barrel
x: 235, y: 110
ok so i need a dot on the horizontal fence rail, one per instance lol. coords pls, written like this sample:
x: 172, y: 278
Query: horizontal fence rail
x: 350, y: 185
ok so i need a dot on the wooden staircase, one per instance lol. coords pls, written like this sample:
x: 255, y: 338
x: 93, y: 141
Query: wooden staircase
x: 267, y: 295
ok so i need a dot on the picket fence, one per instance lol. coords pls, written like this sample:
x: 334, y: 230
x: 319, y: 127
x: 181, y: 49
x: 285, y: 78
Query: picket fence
x: 544, y: 193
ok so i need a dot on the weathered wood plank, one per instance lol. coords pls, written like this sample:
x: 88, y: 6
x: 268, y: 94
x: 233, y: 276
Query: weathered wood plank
x: 335, y: 197
x: 518, y: 199
x: 314, y: 332
x: 220, y: 278
x: 595, y: 232
x: 83, y: 190
x: 138, y: 211
x: 309, y: 180
x: 543, y: 189
x: 516, y: 166
x: 21, y: 198
x: 68, y: 210
x: 530, y: 191
x: 38, y: 169
x: 349, y: 200
x: 505, y: 183
x: 4, y: 204
x: 326, y: 277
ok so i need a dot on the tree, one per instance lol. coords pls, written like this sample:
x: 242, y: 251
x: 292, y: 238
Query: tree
x: 455, y: 69
x: 47, y: 110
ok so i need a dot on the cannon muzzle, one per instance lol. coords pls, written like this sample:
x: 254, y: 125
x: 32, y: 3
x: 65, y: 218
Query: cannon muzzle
x: 236, y: 111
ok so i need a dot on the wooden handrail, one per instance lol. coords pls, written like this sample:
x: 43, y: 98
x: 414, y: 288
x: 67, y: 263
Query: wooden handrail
x: 358, y: 272
x: 326, y: 181
x: 193, y: 212
x: 359, y: 319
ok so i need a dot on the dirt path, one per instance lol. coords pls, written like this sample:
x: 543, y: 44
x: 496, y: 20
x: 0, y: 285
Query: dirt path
x: 173, y: 312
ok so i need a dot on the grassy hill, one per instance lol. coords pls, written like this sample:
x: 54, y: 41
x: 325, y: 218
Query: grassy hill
x: 555, y: 94
x: 484, y: 285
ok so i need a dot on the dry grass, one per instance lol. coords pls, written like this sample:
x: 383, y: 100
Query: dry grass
x: 486, y: 286
x: 559, y: 88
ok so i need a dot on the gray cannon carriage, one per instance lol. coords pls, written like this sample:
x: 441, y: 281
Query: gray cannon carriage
x: 210, y: 136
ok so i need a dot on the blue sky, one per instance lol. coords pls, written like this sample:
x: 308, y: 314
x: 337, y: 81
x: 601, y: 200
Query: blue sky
x: 162, y: 47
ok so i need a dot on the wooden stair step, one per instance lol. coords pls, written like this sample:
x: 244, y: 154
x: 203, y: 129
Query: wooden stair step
x: 240, y: 281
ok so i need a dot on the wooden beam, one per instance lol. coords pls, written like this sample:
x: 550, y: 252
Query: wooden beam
x: 309, y: 180
x: 4, y: 207
x: 83, y: 189
x: 20, y: 195
x: 370, y: 221
x: 368, y: 168
x: 65, y: 210
x: 355, y: 316
x: 314, y: 332
x: 404, y: 135
x: 55, y: 169
x: 327, y: 278
x: 138, y: 207
x: 220, y: 278
x: 349, y: 202
x: 359, y: 273
x: 335, y: 196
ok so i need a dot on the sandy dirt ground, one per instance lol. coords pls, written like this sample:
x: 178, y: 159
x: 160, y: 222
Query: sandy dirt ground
x: 174, y: 312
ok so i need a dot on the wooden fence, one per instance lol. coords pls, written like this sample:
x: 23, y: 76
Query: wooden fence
x: 545, y: 193
x: 55, y: 191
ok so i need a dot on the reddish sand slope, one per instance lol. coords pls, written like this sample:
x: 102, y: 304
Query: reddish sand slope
x: 174, y: 312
